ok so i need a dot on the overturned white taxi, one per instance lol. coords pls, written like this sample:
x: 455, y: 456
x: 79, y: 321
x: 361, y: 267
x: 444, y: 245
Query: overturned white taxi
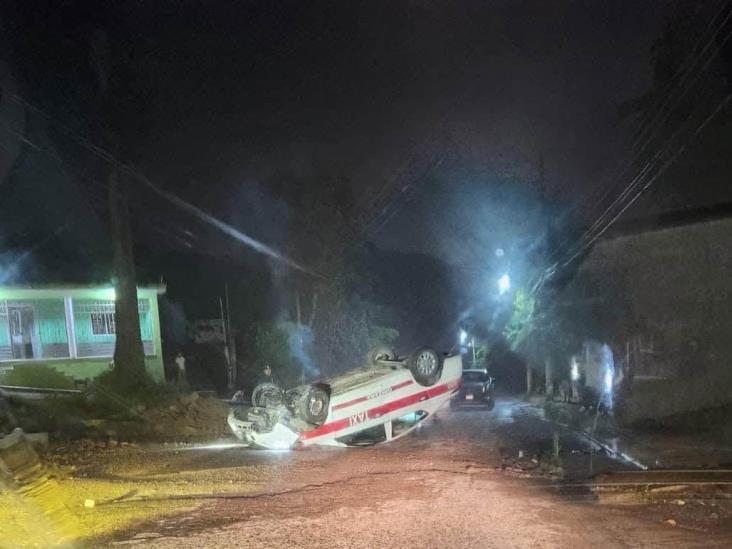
x: 376, y: 403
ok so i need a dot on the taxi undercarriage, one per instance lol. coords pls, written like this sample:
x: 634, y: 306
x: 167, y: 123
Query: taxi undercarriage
x: 376, y: 403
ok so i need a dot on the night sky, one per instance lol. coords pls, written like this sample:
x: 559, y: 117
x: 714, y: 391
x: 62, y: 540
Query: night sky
x: 500, y: 96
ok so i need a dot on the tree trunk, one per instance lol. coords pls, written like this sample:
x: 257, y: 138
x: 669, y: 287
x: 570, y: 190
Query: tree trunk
x: 129, y: 356
x: 549, y: 374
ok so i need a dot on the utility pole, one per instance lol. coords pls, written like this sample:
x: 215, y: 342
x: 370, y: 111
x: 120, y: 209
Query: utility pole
x: 227, y: 358
x: 549, y: 376
x: 230, y: 341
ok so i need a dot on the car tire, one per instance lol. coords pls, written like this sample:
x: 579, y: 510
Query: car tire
x: 426, y: 366
x: 314, y: 405
x: 380, y: 353
x: 267, y: 395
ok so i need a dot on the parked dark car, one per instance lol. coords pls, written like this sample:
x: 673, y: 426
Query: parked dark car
x: 477, y: 390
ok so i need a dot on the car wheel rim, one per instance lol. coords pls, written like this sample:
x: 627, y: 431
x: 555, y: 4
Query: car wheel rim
x: 426, y: 363
x: 316, y: 406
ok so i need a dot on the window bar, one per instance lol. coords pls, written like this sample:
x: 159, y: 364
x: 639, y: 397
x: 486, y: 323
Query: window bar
x: 70, y: 331
x: 10, y: 332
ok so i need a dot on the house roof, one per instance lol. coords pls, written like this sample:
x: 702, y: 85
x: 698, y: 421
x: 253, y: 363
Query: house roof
x: 160, y: 288
x: 670, y: 219
x: 96, y: 291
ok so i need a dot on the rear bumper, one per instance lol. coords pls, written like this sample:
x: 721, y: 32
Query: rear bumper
x: 461, y: 399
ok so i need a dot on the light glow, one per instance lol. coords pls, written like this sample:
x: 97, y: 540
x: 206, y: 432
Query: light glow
x: 575, y: 370
x: 216, y: 446
x: 280, y: 445
x: 608, y: 381
x: 504, y: 284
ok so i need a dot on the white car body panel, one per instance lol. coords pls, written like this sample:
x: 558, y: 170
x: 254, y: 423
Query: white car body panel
x: 365, y: 398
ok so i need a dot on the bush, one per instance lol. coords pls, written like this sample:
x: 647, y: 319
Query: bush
x: 551, y: 410
x: 36, y: 375
x: 113, y: 393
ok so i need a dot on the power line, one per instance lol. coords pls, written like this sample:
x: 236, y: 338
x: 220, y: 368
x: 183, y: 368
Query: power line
x: 656, y: 121
x: 394, y: 206
x: 170, y: 231
x: 721, y: 105
x: 593, y: 233
x: 652, y: 117
x: 174, y: 199
x: 93, y: 199
x: 96, y: 199
x: 591, y: 236
x: 563, y: 263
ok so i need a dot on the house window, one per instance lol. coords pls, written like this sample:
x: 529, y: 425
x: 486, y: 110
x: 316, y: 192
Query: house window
x: 15, y: 323
x: 103, y: 324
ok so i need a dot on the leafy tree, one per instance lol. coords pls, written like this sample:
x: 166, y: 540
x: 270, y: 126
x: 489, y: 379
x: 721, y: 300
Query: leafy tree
x: 320, y: 228
x: 272, y: 346
x: 350, y: 325
x: 522, y: 322
x: 333, y: 305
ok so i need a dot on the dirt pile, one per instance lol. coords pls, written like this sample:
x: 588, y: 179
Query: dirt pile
x: 183, y: 418
x: 36, y: 417
x: 188, y: 417
x: 191, y: 417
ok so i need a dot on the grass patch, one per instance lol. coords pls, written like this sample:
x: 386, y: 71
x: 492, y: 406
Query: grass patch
x: 36, y: 375
x: 118, y: 396
x: 569, y: 415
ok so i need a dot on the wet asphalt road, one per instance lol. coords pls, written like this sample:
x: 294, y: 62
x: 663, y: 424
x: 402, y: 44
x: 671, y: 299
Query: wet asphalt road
x: 445, y: 485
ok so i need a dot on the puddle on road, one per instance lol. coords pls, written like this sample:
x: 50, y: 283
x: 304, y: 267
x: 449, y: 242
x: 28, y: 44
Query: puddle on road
x: 564, y: 467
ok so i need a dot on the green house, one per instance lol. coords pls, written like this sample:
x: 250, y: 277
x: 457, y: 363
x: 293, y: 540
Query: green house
x: 72, y: 328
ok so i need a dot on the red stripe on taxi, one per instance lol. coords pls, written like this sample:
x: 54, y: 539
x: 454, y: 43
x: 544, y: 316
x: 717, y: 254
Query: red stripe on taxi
x: 379, y: 411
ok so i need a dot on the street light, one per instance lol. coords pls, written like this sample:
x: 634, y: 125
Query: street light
x: 463, y: 337
x: 504, y: 284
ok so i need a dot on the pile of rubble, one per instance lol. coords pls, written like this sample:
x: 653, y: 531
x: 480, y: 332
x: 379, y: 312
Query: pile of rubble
x: 523, y: 465
x: 191, y: 417
x: 187, y: 418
